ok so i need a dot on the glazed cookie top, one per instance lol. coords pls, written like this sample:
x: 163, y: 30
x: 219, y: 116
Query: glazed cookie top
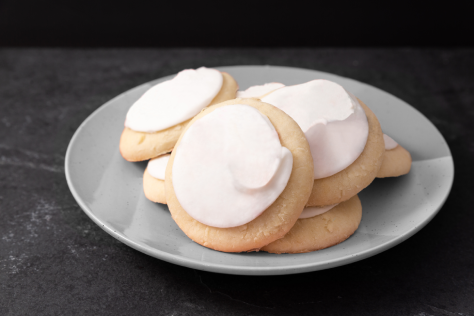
x: 230, y: 166
x: 259, y: 91
x: 312, y: 211
x: 331, y: 118
x: 174, y: 101
x: 389, y: 142
x: 156, y: 167
x: 274, y: 222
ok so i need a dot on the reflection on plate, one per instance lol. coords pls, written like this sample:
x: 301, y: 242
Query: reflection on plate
x: 109, y: 189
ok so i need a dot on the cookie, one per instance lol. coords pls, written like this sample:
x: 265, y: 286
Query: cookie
x: 278, y: 218
x: 154, y: 179
x: 154, y: 188
x: 340, y: 133
x: 321, y: 231
x: 350, y: 181
x: 139, y: 146
x: 396, y: 160
x: 332, y: 119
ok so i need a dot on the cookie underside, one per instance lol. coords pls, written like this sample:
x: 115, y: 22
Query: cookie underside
x: 277, y: 219
x: 139, y: 146
x: 350, y: 181
x: 321, y: 231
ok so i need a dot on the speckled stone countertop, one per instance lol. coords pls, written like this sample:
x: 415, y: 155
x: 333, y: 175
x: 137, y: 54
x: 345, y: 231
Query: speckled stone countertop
x: 55, y: 261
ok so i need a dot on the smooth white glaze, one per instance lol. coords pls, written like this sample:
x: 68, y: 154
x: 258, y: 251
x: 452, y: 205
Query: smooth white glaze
x: 332, y: 119
x: 313, y: 211
x: 389, y: 142
x: 157, y: 166
x: 174, y: 101
x: 230, y: 166
x: 259, y: 91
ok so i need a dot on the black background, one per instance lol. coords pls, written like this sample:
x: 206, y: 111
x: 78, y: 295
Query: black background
x: 233, y: 24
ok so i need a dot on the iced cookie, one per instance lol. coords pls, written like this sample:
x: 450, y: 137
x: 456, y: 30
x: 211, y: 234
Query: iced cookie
x: 330, y: 228
x: 155, y: 121
x: 239, y: 176
x: 258, y: 92
x: 344, y: 136
x: 357, y: 176
x: 154, y: 179
x: 396, y: 160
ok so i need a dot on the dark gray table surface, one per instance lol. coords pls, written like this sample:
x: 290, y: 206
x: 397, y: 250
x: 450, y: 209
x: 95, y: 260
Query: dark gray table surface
x: 55, y: 261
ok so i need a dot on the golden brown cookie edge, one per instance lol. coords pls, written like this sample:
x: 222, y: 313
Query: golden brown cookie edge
x: 153, y: 188
x: 321, y: 231
x: 396, y: 162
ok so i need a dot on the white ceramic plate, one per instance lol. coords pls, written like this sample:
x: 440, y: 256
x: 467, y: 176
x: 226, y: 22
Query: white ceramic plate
x: 109, y: 189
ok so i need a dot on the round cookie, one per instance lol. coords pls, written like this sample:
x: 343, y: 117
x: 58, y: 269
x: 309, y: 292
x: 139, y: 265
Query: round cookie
x: 279, y: 217
x: 153, y: 188
x: 139, y: 146
x: 350, y: 181
x: 321, y: 231
x: 396, y: 162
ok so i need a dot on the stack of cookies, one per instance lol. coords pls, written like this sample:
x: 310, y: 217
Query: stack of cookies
x: 274, y: 168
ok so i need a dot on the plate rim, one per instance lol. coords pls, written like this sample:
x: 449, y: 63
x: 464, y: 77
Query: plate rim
x: 245, y: 270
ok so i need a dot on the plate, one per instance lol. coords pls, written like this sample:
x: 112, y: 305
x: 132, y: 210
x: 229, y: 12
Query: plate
x: 109, y: 189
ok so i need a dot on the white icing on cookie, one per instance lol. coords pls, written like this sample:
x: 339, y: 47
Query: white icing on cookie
x: 389, y: 142
x: 157, y: 166
x: 230, y: 166
x: 259, y: 91
x: 315, y: 211
x: 174, y: 101
x: 332, y: 119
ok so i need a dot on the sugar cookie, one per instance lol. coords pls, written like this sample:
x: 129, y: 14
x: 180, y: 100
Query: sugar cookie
x: 344, y: 136
x: 350, y: 181
x: 154, y: 188
x: 154, y: 179
x: 139, y: 146
x: 279, y: 217
x: 396, y: 160
x: 332, y: 119
x: 321, y: 231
